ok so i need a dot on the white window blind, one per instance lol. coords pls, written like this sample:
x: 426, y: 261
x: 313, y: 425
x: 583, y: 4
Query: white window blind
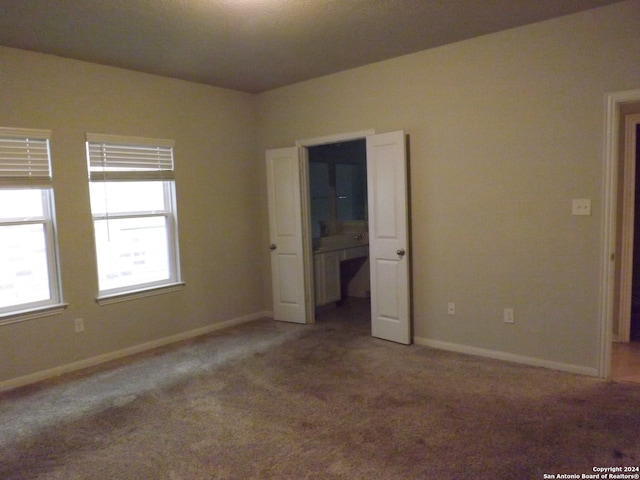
x: 24, y: 158
x: 117, y: 158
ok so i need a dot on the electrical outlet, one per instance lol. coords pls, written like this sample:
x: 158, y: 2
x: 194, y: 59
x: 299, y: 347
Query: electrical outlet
x: 508, y: 315
x: 451, y: 308
x: 581, y: 206
x: 78, y: 324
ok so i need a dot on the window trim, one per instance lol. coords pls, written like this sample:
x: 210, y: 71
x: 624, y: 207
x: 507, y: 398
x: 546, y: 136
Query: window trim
x: 32, y: 313
x: 109, y: 299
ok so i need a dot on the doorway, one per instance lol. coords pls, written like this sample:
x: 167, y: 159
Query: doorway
x: 633, y: 129
x: 628, y: 267
x: 337, y: 181
x: 625, y: 364
x: 619, y: 212
x: 290, y: 236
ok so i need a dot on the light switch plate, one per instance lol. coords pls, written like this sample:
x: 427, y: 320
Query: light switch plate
x: 581, y: 206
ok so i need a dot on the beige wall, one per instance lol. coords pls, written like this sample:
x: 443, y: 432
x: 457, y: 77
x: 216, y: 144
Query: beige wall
x: 505, y: 130
x: 216, y: 181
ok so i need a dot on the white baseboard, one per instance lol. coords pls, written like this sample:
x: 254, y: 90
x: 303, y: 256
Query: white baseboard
x: 125, y: 352
x: 509, y: 357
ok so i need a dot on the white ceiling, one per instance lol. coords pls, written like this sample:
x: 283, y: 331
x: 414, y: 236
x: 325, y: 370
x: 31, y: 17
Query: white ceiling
x: 258, y: 45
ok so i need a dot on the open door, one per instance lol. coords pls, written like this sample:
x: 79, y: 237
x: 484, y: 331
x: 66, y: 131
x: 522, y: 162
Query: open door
x: 285, y: 235
x: 388, y: 237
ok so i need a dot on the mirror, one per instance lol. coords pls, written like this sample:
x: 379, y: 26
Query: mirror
x: 338, y: 187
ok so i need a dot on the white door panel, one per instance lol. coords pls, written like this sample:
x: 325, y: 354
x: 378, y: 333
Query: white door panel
x: 285, y: 235
x: 387, y: 276
x: 287, y: 265
x: 388, y: 237
x: 283, y: 182
x: 384, y: 194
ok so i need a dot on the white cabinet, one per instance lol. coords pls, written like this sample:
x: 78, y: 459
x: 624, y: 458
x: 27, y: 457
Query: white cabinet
x: 354, y: 252
x: 327, y: 277
x: 327, y: 272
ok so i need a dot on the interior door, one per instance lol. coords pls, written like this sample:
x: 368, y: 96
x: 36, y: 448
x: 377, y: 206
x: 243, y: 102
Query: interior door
x: 285, y: 235
x: 388, y: 237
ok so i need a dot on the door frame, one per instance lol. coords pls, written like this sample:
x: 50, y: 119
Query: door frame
x: 613, y: 103
x: 303, y: 146
x: 627, y: 232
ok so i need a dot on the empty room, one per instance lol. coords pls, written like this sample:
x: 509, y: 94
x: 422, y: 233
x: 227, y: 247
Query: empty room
x: 318, y: 239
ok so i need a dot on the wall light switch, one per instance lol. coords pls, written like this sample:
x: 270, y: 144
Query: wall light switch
x: 581, y: 206
x: 78, y: 324
x: 508, y: 316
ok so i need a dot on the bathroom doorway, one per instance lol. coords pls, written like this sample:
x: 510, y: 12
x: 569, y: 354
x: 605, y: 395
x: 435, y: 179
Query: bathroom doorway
x: 385, y: 244
x: 337, y: 178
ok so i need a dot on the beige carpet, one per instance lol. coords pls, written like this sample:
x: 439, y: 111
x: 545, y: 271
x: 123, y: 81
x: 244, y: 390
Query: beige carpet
x: 274, y: 400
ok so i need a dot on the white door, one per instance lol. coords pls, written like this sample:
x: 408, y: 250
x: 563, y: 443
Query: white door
x: 388, y: 237
x: 285, y: 235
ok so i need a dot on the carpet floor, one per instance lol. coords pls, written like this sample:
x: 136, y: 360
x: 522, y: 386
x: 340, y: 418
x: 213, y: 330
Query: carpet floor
x: 270, y: 400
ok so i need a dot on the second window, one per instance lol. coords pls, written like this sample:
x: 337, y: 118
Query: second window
x: 134, y: 215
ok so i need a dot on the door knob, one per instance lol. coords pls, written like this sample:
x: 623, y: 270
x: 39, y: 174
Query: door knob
x: 400, y: 252
x: 272, y: 246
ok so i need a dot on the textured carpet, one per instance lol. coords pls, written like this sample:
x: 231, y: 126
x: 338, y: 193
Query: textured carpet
x: 326, y: 401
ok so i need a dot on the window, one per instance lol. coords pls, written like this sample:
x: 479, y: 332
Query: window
x: 134, y: 216
x: 29, y: 278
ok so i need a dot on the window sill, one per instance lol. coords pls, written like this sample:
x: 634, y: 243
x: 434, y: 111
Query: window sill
x: 30, y: 314
x: 135, y: 294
